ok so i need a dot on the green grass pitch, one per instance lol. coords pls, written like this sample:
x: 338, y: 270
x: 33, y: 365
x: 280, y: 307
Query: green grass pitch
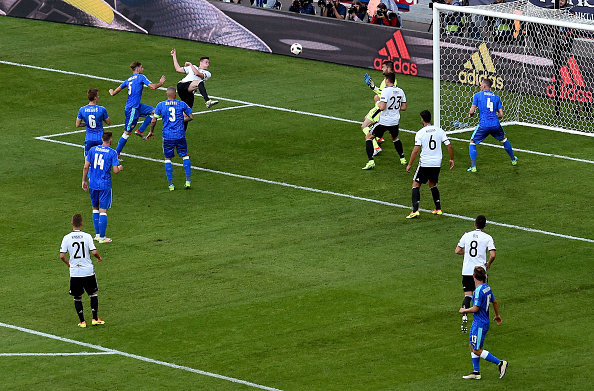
x: 252, y: 276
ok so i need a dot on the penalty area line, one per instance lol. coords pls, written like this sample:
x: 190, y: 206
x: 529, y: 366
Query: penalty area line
x: 332, y: 193
x: 251, y: 104
x: 137, y: 357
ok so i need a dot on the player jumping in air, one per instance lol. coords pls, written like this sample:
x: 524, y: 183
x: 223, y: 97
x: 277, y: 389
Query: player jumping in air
x: 391, y: 102
x: 134, y: 109
x: 373, y: 115
x: 194, y: 80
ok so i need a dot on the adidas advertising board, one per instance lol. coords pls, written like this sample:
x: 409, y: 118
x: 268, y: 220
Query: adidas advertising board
x: 354, y: 44
x: 480, y: 66
x: 396, y: 50
x: 572, y: 80
x: 237, y: 25
x: 571, y: 85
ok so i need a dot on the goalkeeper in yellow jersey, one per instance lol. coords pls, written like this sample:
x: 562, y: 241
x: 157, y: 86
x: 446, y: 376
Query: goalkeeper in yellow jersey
x: 373, y: 114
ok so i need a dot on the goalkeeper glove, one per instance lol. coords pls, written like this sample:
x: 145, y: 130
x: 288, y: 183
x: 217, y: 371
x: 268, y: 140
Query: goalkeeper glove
x: 369, y: 81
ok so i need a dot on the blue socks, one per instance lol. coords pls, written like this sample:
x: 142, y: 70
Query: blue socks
x: 486, y: 355
x: 187, y: 167
x: 145, y: 124
x: 476, y: 361
x: 508, y: 148
x: 122, y: 143
x: 96, y: 221
x: 102, y: 224
x: 472, y: 152
x: 169, y: 171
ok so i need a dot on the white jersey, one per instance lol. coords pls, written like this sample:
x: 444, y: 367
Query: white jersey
x: 79, y: 245
x: 429, y: 138
x: 191, y: 76
x: 393, y: 97
x: 475, y: 244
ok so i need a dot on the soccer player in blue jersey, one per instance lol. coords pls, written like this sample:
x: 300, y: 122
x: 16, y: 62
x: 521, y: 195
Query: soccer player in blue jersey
x: 490, y: 111
x: 175, y: 114
x: 134, y: 109
x: 99, y: 163
x: 483, y: 296
x: 92, y: 116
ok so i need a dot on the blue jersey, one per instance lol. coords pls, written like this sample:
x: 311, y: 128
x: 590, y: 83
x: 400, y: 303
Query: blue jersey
x: 134, y: 83
x: 172, y: 112
x: 488, y: 105
x: 93, y: 115
x: 102, y: 159
x: 482, y: 298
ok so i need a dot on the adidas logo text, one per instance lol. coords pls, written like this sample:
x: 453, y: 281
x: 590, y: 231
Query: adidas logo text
x: 397, y: 52
x: 480, y: 66
x: 573, y: 87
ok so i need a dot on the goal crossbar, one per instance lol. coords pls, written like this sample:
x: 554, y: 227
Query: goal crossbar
x: 501, y: 15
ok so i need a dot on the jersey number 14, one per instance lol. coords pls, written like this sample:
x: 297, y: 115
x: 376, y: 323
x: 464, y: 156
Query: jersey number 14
x: 98, y: 161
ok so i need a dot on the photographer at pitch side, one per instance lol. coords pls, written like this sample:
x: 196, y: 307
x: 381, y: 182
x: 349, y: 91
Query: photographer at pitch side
x: 332, y: 9
x: 385, y: 16
x: 357, y: 12
x: 302, y: 7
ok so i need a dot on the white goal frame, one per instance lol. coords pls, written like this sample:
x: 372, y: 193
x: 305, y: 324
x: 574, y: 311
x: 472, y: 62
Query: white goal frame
x: 474, y: 10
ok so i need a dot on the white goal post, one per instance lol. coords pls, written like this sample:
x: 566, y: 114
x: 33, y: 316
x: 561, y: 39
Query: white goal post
x: 541, y: 62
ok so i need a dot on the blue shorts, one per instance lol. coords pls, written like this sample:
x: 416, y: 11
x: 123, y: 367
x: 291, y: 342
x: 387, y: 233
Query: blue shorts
x: 90, y: 144
x: 480, y: 134
x: 478, y: 332
x: 100, y: 198
x: 169, y: 147
x: 133, y: 113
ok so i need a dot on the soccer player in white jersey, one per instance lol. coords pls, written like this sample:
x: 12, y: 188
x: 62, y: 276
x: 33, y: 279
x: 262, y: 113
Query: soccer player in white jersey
x: 79, y: 245
x: 474, y: 246
x: 428, y: 140
x: 194, y: 80
x: 391, y: 102
x: 373, y: 115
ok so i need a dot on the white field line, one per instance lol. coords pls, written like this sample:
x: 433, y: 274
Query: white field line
x: 137, y: 357
x: 530, y: 152
x: 332, y: 193
x: 44, y: 138
x: 159, y: 119
x: 251, y: 104
x: 55, y: 354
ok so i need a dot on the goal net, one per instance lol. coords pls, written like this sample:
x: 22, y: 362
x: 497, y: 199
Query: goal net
x: 541, y: 62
